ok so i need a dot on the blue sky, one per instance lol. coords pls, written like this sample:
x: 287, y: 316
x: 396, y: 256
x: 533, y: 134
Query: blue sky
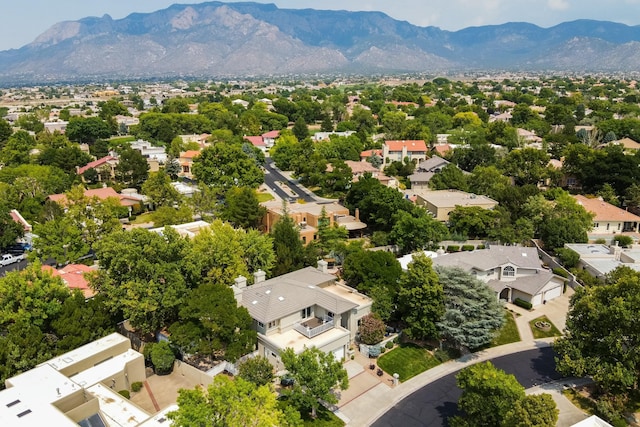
x: 23, y: 22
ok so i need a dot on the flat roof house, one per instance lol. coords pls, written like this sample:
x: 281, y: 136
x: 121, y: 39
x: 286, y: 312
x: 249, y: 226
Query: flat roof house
x: 304, y: 308
x: 511, y: 271
x: 77, y: 388
x: 441, y: 202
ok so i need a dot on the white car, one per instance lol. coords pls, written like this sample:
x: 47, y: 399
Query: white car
x: 8, y: 259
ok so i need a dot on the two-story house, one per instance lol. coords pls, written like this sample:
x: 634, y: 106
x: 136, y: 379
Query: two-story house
x: 304, y: 308
x: 511, y: 271
x: 414, y: 151
x: 607, y: 218
x: 425, y: 170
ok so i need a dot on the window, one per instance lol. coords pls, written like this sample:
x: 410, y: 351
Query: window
x: 509, y: 271
x: 596, y: 225
x: 306, y: 312
x: 607, y: 226
x: 272, y: 324
x: 260, y: 324
x: 618, y: 226
x: 330, y: 314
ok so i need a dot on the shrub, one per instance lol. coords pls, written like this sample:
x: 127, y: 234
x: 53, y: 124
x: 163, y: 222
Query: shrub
x: 379, y: 238
x: 624, y: 241
x: 162, y: 358
x: 561, y: 272
x: 480, y: 247
x: 522, y: 303
x: 371, y: 329
x: 136, y: 386
x: 125, y: 394
x: 389, y: 344
x: 468, y: 247
x: 568, y: 257
x: 146, y: 352
x: 453, y: 248
x: 382, y: 350
x: 601, y: 241
x: 257, y: 370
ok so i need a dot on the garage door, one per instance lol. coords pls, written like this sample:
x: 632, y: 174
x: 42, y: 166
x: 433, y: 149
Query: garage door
x: 339, y: 353
x: 553, y: 293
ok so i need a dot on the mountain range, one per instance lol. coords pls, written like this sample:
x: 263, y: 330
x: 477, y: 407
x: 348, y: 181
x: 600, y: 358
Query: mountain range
x: 217, y: 39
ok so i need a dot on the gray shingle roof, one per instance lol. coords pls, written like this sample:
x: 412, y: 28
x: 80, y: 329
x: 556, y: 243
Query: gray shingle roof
x: 493, y: 257
x: 287, y: 294
x: 530, y: 285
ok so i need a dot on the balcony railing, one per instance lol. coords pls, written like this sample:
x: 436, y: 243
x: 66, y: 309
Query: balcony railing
x: 310, y: 331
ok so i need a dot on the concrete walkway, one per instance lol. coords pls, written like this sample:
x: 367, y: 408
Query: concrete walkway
x: 370, y: 403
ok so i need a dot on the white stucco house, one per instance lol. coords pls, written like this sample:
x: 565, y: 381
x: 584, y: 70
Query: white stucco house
x: 511, y: 271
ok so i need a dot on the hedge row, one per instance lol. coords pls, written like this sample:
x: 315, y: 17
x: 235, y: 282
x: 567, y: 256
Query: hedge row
x: 522, y: 303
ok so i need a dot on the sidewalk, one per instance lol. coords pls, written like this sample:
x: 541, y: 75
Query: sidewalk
x: 371, y: 404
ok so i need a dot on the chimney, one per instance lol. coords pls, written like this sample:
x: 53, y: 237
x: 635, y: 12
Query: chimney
x: 323, y: 266
x: 241, y: 282
x: 258, y: 277
x: 357, y: 214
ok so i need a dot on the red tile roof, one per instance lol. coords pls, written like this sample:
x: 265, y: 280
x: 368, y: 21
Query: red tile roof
x: 189, y: 154
x: 442, y: 149
x: 271, y: 134
x: 73, y: 276
x: 367, y: 153
x: 411, y: 145
x: 257, y: 141
x: 95, y: 164
x: 605, y: 211
x: 100, y: 193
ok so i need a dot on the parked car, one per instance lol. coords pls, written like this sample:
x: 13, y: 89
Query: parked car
x: 8, y: 259
x: 286, y: 381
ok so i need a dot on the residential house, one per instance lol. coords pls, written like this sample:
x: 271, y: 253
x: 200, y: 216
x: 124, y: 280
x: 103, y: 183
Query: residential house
x: 511, y: 271
x: 129, y: 199
x: 105, y: 167
x: 150, y: 152
x: 186, y: 163
x: 307, y: 215
x: 528, y: 138
x: 627, y: 144
x: 599, y: 260
x: 270, y: 137
x: 189, y: 229
x: 257, y: 141
x: 364, y: 155
x: 608, y: 219
x: 441, y: 202
x: 442, y: 149
x: 325, y: 136
x: 57, y: 126
x: 73, y: 275
x: 302, y: 309
x: 78, y: 388
x: 358, y: 169
x: 414, y: 151
x: 15, y: 215
x: 425, y: 170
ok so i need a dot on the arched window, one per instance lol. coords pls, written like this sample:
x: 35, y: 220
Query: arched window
x: 509, y: 271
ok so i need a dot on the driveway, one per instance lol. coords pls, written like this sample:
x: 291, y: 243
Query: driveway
x: 273, y: 176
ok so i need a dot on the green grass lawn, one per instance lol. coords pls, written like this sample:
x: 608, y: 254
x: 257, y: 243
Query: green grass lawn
x: 509, y: 332
x: 142, y: 218
x: 325, y: 418
x: 121, y: 139
x: 263, y: 197
x: 538, y: 333
x: 408, y: 360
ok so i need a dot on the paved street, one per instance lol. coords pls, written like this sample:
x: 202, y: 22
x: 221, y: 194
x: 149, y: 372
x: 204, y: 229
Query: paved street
x: 272, y: 176
x: 12, y: 267
x: 435, y: 402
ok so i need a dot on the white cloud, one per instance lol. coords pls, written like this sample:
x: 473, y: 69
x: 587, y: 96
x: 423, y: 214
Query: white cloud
x: 558, y: 4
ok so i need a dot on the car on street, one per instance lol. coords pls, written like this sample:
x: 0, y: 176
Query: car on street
x: 8, y: 259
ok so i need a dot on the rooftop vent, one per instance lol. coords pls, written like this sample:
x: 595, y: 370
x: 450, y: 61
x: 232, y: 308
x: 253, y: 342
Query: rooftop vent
x: 281, y: 298
x: 23, y: 413
x: 14, y: 403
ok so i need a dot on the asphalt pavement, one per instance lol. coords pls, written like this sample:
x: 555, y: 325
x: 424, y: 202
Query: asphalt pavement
x: 273, y: 175
x: 432, y: 404
x: 20, y: 265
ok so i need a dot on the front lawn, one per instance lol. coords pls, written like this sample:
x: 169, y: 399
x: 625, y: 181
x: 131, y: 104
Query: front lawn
x: 539, y: 333
x: 264, y: 197
x: 325, y: 418
x: 407, y: 360
x: 509, y: 332
x: 142, y: 218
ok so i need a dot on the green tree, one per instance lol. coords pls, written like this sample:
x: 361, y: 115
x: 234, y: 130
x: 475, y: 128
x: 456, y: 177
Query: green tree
x: 258, y: 251
x: 526, y: 166
x: 364, y: 270
x: 488, y: 394
x: 416, y: 230
x: 257, y: 370
x: 421, y: 299
x: 285, y: 151
x: 112, y: 108
x: 217, y: 254
x: 5, y: 131
x: 143, y: 276
x: 10, y: 230
x: 30, y: 122
x: 535, y: 410
x: 288, y: 246
x: 226, y: 165
x: 159, y: 190
x: 600, y: 337
x: 212, y: 324
x: 472, y: 312
x: 242, y: 208
x: 300, y: 129
x: 132, y: 169
x: 472, y: 221
x: 87, y: 130
x: 170, y: 215
x: 17, y: 149
x: 317, y: 376
x: 450, y: 177
x: 231, y: 403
